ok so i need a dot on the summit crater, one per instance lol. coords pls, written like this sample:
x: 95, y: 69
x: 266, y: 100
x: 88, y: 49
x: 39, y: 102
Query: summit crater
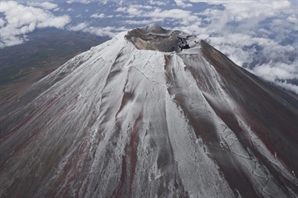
x: 154, y: 37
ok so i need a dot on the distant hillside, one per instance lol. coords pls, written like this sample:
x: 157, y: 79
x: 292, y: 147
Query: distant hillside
x: 45, y: 50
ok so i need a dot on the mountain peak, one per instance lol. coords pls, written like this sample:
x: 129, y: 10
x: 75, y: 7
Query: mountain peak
x: 152, y: 112
x: 154, y: 37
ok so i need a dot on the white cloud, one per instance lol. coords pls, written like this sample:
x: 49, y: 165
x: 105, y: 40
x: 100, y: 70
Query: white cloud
x: 278, y: 73
x: 182, y: 4
x: 57, y: 9
x: 121, y: 9
x: 191, y: 20
x: 174, y: 13
x: 105, y: 31
x: 159, y: 3
x: 21, y: 20
x: 45, y: 5
x: 287, y: 86
x: 79, y: 27
x: 104, y: 2
x: 85, y: 1
x: 249, y: 13
x: 275, y: 71
x: 138, y: 22
x: 133, y: 11
x: 180, y: 16
x: 293, y: 19
x: 97, y: 16
x: 142, y: 6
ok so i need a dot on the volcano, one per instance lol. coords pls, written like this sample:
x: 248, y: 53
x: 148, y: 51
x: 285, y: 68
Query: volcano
x: 150, y: 113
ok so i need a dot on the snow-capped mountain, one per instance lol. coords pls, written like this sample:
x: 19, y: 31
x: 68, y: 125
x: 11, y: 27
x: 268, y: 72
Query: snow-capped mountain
x: 150, y: 113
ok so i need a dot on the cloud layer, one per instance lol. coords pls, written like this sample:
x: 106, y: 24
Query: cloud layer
x: 19, y: 20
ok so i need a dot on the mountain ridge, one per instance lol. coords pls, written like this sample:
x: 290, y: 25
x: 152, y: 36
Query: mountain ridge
x: 120, y: 121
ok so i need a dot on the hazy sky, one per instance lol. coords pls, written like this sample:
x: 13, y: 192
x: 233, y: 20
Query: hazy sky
x: 258, y: 33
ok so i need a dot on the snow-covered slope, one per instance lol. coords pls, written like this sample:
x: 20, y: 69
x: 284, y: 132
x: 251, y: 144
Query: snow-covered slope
x: 138, y: 117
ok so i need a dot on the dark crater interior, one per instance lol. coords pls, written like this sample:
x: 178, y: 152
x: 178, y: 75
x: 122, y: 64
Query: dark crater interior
x: 154, y: 37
